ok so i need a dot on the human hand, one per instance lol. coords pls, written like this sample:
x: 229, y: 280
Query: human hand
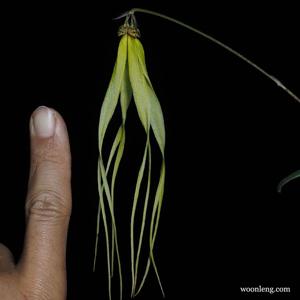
x: 41, y: 272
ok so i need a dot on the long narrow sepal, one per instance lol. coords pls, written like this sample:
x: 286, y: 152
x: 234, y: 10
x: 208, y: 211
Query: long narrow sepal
x: 112, y: 94
x: 125, y: 98
x: 107, y: 111
x: 134, y: 206
x: 151, y: 116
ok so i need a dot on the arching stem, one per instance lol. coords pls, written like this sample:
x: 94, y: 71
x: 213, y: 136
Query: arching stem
x: 214, y: 40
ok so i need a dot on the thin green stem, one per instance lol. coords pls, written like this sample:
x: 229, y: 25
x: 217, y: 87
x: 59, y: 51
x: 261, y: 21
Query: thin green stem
x: 216, y: 41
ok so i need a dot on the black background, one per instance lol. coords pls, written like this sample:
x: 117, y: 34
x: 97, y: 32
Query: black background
x: 232, y: 135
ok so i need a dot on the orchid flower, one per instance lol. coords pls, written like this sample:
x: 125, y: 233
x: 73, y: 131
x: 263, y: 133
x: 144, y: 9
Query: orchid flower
x: 129, y: 80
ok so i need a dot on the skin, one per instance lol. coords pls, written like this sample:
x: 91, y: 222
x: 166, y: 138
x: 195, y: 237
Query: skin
x: 41, y: 271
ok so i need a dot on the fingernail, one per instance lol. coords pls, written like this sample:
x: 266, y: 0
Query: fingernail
x: 43, y: 122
